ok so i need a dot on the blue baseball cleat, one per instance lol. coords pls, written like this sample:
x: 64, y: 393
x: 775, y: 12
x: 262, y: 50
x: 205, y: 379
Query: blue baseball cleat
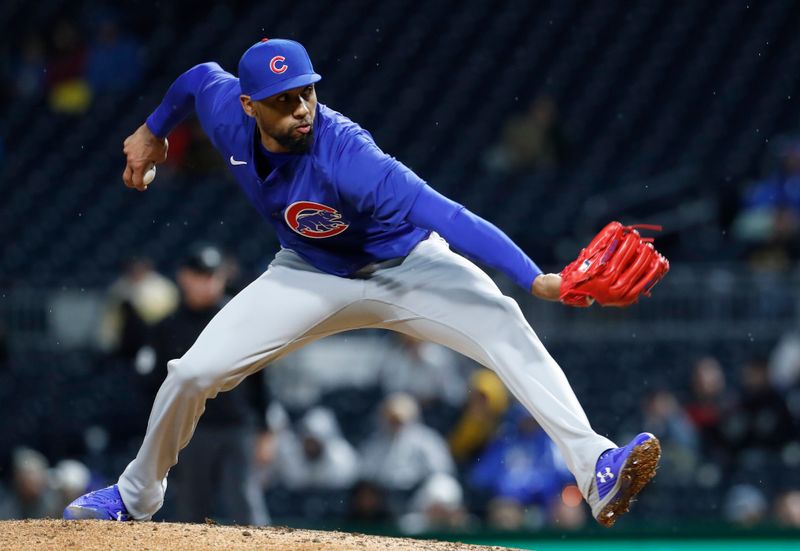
x: 620, y: 474
x: 105, y: 504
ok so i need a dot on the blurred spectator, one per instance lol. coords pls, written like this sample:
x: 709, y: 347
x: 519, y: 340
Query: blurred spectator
x: 567, y: 511
x: 191, y: 152
x: 784, y: 371
x: 141, y: 297
x: 114, y: 59
x: 31, y: 495
x: 426, y: 371
x: 487, y: 400
x: 200, y: 156
x: 66, y: 68
x: 317, y: 457
x: 761, y: 418
x: 531, y: 142
x: 403, y: 452
x: 267, y: 448
x: 437, y: 506
x: 71, y: 479
x: 28, y: 70
x: 708, y: 403
x: 235, y: 279
x: 769, y: 219
x: 217, y: 470
x: 663, y: 415
x: 784, y: 362
x: 521, y: 463
x: 179, y: 141
x: 505, y: 514
x: 745, y: 505
x: 787, y: 509
x: 368, y: 503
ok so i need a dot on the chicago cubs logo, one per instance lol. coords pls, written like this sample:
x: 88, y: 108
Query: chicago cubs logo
x: 273, y: 64
x: 314, y: 220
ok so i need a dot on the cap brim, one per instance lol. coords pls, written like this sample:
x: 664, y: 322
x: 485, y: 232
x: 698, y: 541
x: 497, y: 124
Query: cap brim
x: 288, y: 84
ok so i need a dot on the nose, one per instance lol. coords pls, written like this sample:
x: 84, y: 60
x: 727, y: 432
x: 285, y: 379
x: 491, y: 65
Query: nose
x: 302, y: 110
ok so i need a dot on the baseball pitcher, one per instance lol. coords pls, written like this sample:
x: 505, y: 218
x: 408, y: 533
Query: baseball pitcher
x: 365, y: 243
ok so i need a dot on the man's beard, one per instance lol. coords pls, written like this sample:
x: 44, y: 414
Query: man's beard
x: 296, y: 145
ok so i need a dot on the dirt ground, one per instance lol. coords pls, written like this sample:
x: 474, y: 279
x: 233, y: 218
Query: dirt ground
x: 91, y: 535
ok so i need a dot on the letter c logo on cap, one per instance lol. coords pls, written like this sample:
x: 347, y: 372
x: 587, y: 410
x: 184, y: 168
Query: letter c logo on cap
x: 273, y: 64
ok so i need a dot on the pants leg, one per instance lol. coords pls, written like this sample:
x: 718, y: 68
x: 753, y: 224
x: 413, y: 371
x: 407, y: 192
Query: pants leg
x: 442, y: 297
x: 288, y: 306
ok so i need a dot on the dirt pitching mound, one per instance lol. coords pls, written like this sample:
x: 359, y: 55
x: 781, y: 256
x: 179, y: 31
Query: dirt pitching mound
x: 96, y: 535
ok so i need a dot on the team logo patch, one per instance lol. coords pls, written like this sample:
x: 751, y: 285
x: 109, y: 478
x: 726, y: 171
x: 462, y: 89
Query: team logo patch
x: 314, y: 220
x: 273, y: 64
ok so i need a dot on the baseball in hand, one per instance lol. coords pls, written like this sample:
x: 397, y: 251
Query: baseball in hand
x: 149, y: 176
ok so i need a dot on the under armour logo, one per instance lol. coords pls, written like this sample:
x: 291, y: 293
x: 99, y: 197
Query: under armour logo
x: 602, y: 476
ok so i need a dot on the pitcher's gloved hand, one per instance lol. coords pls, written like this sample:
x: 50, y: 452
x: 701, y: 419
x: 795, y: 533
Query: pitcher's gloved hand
x: 616, y: 268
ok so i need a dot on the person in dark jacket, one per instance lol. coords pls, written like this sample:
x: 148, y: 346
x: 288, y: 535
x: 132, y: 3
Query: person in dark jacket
x: 217, y: 472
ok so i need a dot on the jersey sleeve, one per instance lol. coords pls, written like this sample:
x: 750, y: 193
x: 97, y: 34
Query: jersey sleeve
x: 199, y: 89
x: 376, y: 183
x: 473, y: 236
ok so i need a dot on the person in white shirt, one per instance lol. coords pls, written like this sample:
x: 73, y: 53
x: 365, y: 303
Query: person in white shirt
x: 316, y: 456
x: 403, y: 452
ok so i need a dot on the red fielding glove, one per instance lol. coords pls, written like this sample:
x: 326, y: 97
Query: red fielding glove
x: 616, y: 268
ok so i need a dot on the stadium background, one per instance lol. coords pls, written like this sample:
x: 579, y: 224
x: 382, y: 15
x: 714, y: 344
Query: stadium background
x: 681, y: 113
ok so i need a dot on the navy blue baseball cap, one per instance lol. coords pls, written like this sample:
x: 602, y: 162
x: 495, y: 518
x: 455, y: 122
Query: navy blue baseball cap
x: 275, y: 65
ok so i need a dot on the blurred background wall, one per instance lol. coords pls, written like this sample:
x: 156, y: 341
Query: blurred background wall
x: 549, y: 118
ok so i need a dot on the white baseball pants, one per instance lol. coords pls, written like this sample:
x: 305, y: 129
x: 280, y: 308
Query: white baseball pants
x: 434, y: 295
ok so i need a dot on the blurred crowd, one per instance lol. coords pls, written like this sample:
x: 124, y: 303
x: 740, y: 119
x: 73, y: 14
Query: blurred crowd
x: 69, y: 68
x: 736, y: 437
x: 766, y: 223
x: 382, y: 428
x: 532, y: 141
x: 415, y: 436
x: 68, y: 65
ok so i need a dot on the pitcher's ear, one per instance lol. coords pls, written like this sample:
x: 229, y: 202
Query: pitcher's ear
x: 247, y: 105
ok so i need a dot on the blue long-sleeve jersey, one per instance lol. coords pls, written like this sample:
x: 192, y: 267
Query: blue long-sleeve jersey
x: 345, y: 203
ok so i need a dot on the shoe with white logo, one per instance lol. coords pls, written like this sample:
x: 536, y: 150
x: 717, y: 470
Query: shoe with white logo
x: 105, y: 504
x: 620, y: 474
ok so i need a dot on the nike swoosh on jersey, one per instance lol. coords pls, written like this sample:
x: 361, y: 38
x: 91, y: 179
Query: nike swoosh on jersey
x: 234, y: 162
